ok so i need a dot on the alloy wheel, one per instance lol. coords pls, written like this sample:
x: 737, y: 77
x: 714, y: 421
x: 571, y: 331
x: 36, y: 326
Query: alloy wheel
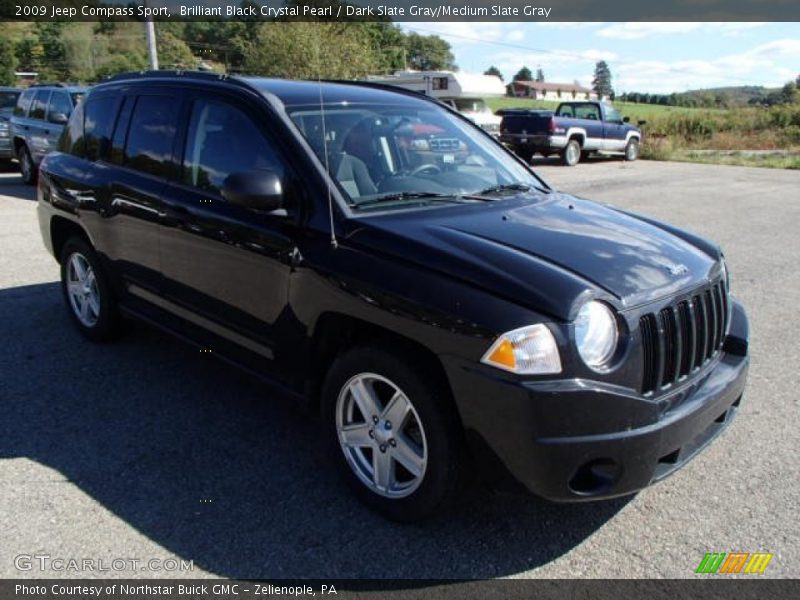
x: 381, y: 435
x: 84, y: 295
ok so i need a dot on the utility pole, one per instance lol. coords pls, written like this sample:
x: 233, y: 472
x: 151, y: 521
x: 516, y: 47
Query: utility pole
x: 152, y: 51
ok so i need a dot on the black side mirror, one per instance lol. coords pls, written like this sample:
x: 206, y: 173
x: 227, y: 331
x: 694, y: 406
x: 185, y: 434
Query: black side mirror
x: 261, y: 190
x: 626, y: 119
x: 59, y: 118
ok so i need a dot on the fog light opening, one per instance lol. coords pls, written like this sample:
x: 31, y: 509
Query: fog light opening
x: 738, y: 401
x: 595, y: 476
x: 721, y: 418
x: 671, y: 458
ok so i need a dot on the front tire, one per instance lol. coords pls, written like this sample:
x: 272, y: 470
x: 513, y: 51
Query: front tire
x: 571, y: 155
x: 632, y: 149
x: 27, y: 167
x: 393, y: 432
x: 87, y: 295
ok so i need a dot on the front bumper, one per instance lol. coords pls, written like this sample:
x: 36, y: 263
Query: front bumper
x: 534, y: 143
x: 572, y: 440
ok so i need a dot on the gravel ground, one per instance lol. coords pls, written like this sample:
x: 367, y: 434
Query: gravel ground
x: 146, y: 449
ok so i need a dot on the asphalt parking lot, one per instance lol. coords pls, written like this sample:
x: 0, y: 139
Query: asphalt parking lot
x: 146, y: 449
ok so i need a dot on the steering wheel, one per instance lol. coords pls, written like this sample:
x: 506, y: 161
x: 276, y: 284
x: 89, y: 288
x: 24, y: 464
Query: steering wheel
x: 418, y: 170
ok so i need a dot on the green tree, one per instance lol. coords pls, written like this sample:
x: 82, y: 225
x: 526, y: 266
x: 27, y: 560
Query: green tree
x: 789, y: 93
x: 494, y: 71
x: 388, y: 43
x: 601, y: 84
x: 121, y: 63
x: 301, y: 50
x: 53, y: 66
x: 29, y: 53
x: 524, y: 74
x: 78, y: 57
x: 173, y: 53
x: 540, y: 75
x: 8, y: 62
x: 429, y: 53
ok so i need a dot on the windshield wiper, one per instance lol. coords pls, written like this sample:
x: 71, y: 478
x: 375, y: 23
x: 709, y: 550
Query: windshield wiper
x: 507, y: 187
x: 409, y: 195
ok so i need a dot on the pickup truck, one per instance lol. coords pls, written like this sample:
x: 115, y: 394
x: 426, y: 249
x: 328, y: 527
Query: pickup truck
x: 575, y: 129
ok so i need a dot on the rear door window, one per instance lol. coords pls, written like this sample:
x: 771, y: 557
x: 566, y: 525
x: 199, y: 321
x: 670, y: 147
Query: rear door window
x: 24, y: 103
x: 99, y: 118
x: 39, y: 108
x: 151, y: 134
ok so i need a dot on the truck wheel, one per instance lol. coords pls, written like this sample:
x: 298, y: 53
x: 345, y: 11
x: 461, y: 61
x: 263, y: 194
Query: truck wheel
x: 391, y: 428
x: 571, y: 154
x: 88, y: 297
x: 27, y: 168
x: 632, y: 149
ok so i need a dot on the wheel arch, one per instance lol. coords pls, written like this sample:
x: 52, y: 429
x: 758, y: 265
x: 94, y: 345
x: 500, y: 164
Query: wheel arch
x: 335, y: 333
x: 19, y: 143
x: 61, y: 230
x: 577, y: 134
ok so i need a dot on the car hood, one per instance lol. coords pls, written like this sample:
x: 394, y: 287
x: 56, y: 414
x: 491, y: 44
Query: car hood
x: 543, y: 249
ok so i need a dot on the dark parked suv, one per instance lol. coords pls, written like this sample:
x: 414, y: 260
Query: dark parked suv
x: 8, y: 100
x: 38, y: 120
x: 379, y: 257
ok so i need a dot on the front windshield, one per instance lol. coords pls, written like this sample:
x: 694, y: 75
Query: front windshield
x: 8, y: 100
x: 390, y: 152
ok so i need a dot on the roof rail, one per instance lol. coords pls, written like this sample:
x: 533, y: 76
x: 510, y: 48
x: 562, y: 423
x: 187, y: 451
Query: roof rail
x: 61, y: 85
x: 177, y: 74
x: 206, y: 75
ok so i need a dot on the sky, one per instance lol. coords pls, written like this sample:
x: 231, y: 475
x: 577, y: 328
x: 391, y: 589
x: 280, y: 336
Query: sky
x: 643, y: 57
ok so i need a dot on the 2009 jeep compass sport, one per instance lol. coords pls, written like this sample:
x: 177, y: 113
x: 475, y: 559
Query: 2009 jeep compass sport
x: 378, y: 255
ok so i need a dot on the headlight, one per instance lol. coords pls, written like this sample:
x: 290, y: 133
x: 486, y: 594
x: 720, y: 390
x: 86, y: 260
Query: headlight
x: 3, y: 129
x: 530, y: 350
x: 596, y: 334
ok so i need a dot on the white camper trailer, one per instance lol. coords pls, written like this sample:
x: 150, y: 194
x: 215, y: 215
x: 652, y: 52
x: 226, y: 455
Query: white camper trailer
x: 463, y: 91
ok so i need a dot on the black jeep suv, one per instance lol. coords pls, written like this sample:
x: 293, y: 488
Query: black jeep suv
x: 381, y: 258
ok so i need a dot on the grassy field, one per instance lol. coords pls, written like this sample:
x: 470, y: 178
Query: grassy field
x: 720, y: 136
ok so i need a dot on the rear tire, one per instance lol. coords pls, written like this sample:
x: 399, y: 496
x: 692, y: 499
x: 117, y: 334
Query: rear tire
x: 632, y: 150
x: 571, y: 155
x: 27, y: 167
x: 407, y: 469
x: 87, y: 295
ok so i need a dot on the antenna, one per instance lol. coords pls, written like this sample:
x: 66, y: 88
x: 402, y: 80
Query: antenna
x: 325, y: 152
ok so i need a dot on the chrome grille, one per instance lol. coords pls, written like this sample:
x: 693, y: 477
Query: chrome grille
x: 681, y: 337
